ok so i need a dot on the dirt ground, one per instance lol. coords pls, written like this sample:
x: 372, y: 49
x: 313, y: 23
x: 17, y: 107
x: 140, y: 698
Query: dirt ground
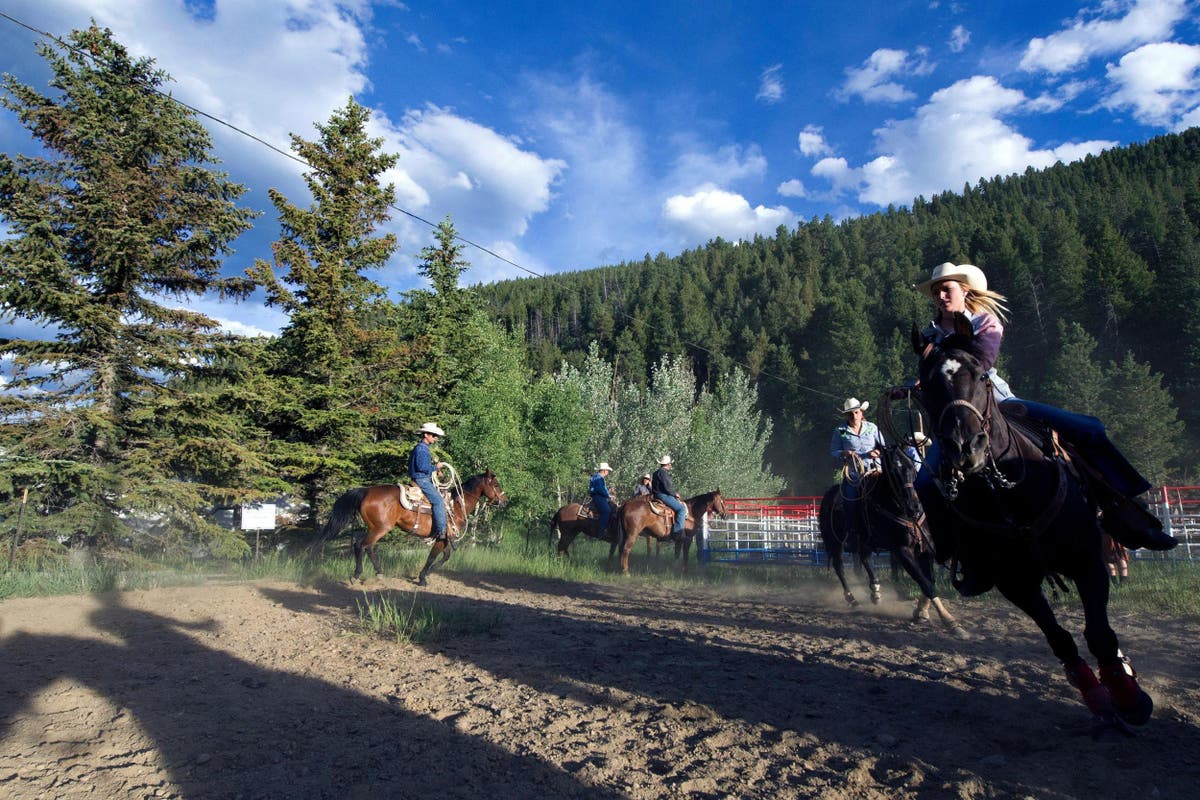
x: 266, y: 690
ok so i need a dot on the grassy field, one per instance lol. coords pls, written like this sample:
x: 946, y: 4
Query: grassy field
x: 1163, y: 587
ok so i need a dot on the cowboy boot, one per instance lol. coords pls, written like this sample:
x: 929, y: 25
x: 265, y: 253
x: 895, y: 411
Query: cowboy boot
x: 1130, y: 522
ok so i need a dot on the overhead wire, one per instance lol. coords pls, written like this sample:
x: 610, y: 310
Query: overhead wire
x: 292, y: 156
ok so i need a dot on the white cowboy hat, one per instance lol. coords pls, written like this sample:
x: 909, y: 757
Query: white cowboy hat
x: 430, y: 427
x: 852, y: 404
x: 646, y: 477
x: 969, y: 274
x: 603, y: 466
x: 665, y: 460
x: 919, y: 439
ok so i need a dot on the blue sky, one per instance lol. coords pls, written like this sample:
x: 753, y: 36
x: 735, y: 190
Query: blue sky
x: 570, y: 135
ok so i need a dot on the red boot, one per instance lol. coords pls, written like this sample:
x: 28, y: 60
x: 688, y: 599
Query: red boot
x: 1095, y: 695
x: 1129, y: 701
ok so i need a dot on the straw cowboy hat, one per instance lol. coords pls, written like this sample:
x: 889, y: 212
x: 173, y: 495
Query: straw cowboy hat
x: 430, y: 427
x: 603, y: 467
x: 969, y: 274
x: 646, y: 477
x: 664, y: 460
x: 852, y: 404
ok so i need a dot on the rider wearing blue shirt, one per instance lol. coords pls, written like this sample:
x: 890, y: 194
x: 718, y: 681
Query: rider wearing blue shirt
x: 857, y: 444
x: 421, y: 468
x: 601, y: 498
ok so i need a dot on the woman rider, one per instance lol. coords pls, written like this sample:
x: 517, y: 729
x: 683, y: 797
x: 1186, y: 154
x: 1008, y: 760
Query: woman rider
x: 856, y: 447
x: 1115, y: 482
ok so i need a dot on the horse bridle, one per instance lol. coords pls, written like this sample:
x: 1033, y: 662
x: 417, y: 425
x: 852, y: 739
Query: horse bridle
x: 991, y: 471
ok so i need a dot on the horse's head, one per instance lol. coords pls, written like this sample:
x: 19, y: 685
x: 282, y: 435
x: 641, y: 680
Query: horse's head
x: 492, y: 490
x: 957, y: 393
x: 718, y: 503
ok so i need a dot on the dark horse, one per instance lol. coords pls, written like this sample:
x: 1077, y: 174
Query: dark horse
x: 637, y: 518
x: 890, y: 519
x: 380, y: 509
x: 571, y: 520
x: 1014, y: 512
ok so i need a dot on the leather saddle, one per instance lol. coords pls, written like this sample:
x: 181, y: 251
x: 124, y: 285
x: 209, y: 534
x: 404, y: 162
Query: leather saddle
x: 412, y: 498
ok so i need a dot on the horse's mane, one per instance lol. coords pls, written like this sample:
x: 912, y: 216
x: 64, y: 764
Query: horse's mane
x: 468, y: 485
x: 706, y: 497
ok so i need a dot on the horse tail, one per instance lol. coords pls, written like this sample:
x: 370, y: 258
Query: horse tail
x: 555, y: 521
x: 345, y: 509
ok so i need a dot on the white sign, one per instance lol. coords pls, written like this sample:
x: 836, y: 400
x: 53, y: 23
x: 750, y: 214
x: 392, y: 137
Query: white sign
x: 258, y: 517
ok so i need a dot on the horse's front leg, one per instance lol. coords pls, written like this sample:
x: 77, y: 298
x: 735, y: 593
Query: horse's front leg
x: 1131, y: 704
x: 430, y: 563
x: 864, y: 558
x: 1025, y: 592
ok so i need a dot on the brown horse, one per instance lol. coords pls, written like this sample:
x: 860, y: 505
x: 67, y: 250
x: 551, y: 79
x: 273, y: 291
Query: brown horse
x: 380, y: 510
x: 638, y: 518
x: 571, y: 520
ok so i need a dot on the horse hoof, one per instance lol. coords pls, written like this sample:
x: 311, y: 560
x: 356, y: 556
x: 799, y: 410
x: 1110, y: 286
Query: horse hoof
x: 852, y: 600
x: 961, y: 633
x: 1132, y: 705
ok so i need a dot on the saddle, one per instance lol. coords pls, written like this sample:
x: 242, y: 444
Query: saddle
x: 588, y: 510
x: 412, y: 498
x: 661, y: 509
x: 1037, y: 431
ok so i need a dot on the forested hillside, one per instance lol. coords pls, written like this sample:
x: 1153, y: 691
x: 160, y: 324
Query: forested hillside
x: 1100, y: 260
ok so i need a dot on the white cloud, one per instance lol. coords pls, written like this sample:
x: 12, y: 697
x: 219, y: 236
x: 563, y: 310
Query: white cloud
x: 959, y: 37
x: 728, y: 164
x: 1058, y: 96
x: 791, y: 188
x: 956, y: 138
x: 1159, y: 82
x: 452, y: 163
x: 838, y: 172
x: 873, y: 80
x: 711, y: 212
x: 812, y: 141
x: 1100, y: 35
x: 770, y: 85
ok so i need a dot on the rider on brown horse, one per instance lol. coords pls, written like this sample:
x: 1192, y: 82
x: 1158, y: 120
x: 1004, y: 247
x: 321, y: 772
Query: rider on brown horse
x: 661, y: 488
x: 601, y: 497
x: 421, y: 468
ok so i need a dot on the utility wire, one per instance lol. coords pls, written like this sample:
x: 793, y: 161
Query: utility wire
x: 241, y: 131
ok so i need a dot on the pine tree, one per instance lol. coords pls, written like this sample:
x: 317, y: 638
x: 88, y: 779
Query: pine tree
x: 337, y: 412
x: 121, y: 219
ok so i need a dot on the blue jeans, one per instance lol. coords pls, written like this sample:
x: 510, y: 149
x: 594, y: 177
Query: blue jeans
x: 605, y: 508
x: 680, y: 511
x: 435, y: 500
x: 850, y: 495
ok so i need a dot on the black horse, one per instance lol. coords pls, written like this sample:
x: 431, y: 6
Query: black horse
x: 890, y: 519
x: 1010, y: 508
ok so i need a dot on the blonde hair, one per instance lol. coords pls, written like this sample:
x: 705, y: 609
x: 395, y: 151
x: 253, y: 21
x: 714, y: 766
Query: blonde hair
x: 986, y: 300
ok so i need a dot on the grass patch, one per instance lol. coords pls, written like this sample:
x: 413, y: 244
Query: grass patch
x: 418, y: 621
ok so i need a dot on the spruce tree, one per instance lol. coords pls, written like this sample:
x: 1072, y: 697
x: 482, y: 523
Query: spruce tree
x: 119, y: 222
x: 336, y: 412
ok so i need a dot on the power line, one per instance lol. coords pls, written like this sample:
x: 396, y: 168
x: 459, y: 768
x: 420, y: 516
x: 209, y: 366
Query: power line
x: 253, y: 137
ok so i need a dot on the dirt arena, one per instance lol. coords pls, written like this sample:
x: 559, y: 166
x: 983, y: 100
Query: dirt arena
x: 266, y: 690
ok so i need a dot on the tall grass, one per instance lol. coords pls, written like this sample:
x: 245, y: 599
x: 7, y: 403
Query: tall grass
x: 417, y: 621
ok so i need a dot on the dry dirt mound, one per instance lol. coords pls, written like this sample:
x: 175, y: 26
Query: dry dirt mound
x: 264, y: 690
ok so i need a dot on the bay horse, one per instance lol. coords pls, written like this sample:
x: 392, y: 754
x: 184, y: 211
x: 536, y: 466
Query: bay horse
x: 637, y: 518
x: 380, y: 509
x: 570, y: 521
x: 890, y: 519
x: 1005, y: 503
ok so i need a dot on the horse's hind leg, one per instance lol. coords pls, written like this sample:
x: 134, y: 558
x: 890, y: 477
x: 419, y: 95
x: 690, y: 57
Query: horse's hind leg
x: 839, y: 568
x: 358, y: 558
